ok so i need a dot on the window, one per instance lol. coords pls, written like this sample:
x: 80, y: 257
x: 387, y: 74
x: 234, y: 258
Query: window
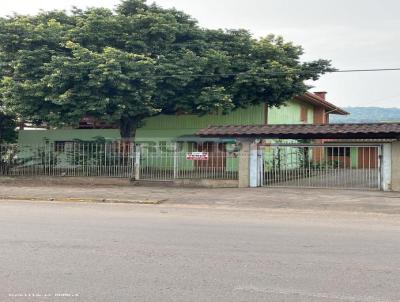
x: 63, y: 146
x: 180, y: 112
x: 338, y: 151
x: 86, y: 123
x: 89, y: 122
x: 304, y: 114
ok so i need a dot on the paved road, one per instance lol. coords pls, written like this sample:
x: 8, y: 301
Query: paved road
x: 120, y: 252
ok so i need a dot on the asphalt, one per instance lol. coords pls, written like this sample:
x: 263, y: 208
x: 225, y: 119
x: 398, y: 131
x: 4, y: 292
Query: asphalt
x: 68, y: 251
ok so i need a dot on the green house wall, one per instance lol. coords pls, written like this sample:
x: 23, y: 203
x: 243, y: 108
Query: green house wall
x: 166, y: 128
x: 290, y: 113
x: 33, y: 137
x: 169, y: 127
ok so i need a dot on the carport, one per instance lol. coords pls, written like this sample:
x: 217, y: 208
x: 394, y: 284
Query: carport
x: 344, y: 156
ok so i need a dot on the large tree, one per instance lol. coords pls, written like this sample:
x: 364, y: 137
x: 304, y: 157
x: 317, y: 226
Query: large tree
x: 139, y: 60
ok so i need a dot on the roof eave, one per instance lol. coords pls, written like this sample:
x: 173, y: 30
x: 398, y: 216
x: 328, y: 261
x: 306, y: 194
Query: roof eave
x: 315, y: 100
x: 307, y: 131
x: 394, y: 136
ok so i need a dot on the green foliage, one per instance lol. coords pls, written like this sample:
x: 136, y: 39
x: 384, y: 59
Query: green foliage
x: 138, y: 61
x: 8, y: 126
x: 108, y: 85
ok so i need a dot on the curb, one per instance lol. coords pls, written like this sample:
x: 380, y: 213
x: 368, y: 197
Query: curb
x: 74, y: 199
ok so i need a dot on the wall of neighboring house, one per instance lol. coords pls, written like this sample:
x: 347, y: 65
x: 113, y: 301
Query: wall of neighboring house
x: 364, y: 158
x: 356, y: 157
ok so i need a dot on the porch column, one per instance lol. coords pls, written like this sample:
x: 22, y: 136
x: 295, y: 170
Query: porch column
x: 396, y: 166
x: 244, y: 163
x: 386, y: 168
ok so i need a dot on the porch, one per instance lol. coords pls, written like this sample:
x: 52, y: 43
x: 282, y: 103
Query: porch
x: 343, y: 156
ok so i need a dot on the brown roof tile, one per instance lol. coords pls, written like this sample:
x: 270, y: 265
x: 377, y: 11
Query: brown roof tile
x: 307, y: 131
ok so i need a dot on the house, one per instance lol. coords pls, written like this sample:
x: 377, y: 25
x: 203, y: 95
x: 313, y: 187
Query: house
x: 178, y: 131
x: 294, y: 145
x: 310, y: 108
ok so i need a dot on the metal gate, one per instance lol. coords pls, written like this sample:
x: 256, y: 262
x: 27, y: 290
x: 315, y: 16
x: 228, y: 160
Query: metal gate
x: 321, y: 166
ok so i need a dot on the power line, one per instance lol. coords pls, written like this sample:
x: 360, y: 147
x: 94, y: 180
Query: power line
x: 272, y: 73
x: 367, y: 70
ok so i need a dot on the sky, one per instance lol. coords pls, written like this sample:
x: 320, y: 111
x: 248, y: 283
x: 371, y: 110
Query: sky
x: 354, y: 34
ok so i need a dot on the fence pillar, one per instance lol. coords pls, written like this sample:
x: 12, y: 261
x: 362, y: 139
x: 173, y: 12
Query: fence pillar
x: 386, y: 167
x: 137, y: 163
x: 175, y: 160
x: 244, y: 164
x: 254, y: 166
x: 395, y: 166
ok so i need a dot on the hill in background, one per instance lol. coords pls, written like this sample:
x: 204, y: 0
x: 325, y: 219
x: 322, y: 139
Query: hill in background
x: 367, y: 115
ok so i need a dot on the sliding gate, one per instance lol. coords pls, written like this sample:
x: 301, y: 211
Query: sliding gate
x: 320, y: 166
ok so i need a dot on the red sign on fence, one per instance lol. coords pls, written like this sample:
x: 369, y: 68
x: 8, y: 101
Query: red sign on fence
x: 197, y: 156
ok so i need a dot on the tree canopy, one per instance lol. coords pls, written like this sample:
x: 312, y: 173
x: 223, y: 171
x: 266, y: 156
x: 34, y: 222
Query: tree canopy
x: 139, y: 60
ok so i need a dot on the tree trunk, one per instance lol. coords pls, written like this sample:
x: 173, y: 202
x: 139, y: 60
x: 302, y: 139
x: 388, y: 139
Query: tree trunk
x: 128, y: 127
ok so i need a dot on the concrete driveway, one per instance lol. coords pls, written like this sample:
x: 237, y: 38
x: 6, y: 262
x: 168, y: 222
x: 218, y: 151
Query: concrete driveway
x: 362, y: 179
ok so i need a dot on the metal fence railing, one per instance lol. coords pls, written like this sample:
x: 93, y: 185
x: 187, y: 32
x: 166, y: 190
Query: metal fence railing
x: 188, y: 161
x: 114, y: 159
x: 322, y: 166
x: 120, y: 159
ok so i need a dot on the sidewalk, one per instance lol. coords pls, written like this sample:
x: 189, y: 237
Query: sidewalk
x: 257, y: 198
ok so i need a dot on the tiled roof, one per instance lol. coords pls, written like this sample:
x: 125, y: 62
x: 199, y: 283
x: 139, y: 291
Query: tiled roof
x: 307, y: 131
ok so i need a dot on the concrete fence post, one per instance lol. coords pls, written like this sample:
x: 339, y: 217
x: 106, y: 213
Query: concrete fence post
x: 395, y: 166
x: 175, y: 160
x: 137, y: 163
x: 386, y: 167
x: 254, y: 166
x: 244, y: 164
